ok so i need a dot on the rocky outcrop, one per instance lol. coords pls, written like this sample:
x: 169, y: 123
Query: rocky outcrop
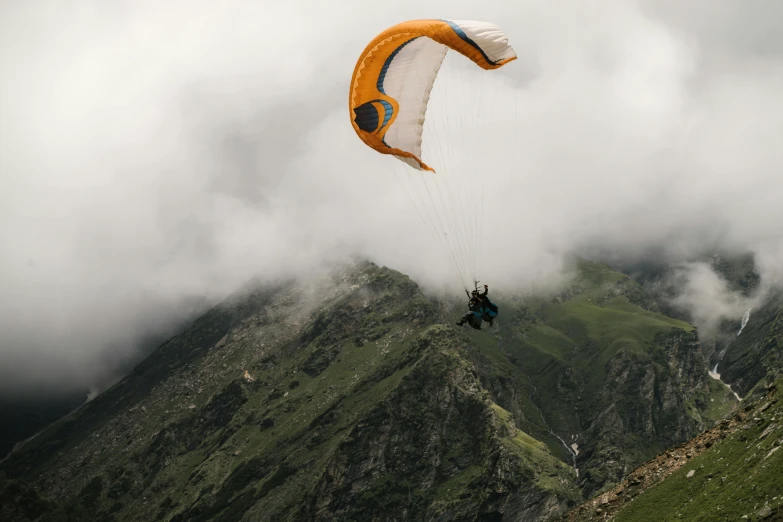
x: 436, y: 449
x: 757, y: 352
x: 741, y: 451
x: 642, y: 407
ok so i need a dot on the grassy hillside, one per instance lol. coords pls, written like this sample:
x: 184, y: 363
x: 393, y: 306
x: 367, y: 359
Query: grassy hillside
x: 597, y: 367
x: 731, y: 472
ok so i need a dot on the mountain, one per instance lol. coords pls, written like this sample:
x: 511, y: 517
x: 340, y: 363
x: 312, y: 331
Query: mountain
x: 730, y: 472
x: 746, y: 348
x: 357, y: 398
x: 600, y: 375
x: 23, y: 414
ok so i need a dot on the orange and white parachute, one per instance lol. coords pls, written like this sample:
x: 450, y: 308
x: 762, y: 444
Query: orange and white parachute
x: 389, y: 97
x: 393, y: 78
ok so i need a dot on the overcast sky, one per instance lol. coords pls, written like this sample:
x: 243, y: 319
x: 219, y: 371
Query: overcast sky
x: 153, y: 153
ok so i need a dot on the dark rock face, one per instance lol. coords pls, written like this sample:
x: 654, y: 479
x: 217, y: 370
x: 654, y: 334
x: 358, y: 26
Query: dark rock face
x: 757, y: 352
x: 434, y: 450
x: 646, y: 401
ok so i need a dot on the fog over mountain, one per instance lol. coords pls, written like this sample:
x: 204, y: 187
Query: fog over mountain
x: 153, y: 157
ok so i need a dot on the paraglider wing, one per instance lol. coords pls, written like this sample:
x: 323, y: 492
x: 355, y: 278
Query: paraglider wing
x: 394, y: 76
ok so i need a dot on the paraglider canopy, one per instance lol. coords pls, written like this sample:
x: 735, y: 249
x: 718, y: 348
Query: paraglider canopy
x: 388, y: 100
x: 393, y: 78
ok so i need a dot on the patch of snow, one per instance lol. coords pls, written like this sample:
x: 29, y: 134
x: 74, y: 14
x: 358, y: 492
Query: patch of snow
x: 715, y: 375
x: 573, y: 452
x: 745, y: 319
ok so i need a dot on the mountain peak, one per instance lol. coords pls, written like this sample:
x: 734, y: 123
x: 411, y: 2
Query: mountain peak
x: 354, y: 395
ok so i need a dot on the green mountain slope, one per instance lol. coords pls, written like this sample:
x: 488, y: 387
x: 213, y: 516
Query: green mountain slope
x: 292, y: 403
x: 731, y: 472
x: 595, y: 366
x: 357, y: 398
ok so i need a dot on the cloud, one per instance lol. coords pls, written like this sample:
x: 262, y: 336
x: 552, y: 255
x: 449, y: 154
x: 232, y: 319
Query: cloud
x: 159, y: 154
x: 708, y: 298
